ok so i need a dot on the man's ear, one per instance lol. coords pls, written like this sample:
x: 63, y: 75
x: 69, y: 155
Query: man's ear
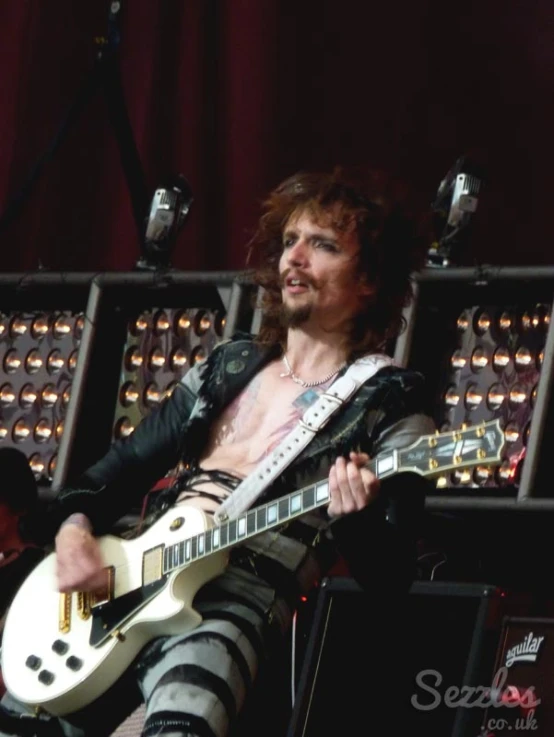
x: 366, y: 289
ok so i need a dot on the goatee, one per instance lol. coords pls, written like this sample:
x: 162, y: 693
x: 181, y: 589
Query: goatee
x: 293, y: 317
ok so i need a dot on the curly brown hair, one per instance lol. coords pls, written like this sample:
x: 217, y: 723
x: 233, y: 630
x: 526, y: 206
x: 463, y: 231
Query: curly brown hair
x: 392, y: 248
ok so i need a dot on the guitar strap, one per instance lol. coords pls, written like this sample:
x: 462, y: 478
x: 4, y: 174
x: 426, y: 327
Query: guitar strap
x: 315, y: 417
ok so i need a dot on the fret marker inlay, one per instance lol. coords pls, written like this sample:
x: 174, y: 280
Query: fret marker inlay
x: 271, y: 514
x: 384, y: 464
x: 322, y: 492
x: 296, y: 503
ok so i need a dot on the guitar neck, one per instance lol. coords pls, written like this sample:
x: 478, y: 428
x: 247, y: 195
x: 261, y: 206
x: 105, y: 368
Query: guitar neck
x: 429, y: 456
x: 263, y: 518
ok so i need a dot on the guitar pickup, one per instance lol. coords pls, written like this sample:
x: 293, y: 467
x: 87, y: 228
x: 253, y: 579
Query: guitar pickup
x: 105, y: 595
x: 83, y: 604
x: 64, y: 613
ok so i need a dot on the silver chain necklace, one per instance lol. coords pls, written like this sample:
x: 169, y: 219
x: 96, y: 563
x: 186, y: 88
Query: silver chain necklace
x: 307, y: 384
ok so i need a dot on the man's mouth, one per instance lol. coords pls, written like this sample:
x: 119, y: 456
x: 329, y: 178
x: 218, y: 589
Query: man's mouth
x: 296, y: 286
x: 296, y: 281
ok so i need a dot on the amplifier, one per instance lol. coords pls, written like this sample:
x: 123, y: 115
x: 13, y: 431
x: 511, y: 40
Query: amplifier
x: 520, y: 695
x: 365, y: 668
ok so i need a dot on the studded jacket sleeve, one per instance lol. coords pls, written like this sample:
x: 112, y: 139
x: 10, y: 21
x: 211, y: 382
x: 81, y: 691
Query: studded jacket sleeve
x: 379, y: 543
x: 119, y: 480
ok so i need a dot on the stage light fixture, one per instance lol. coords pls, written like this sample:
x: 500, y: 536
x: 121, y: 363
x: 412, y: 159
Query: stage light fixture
x: 161, y: 346
x: 493, y: 341
x: 41, y: 327
x: 147, y: 329
x: 494, y: 371
x: 453, y: 209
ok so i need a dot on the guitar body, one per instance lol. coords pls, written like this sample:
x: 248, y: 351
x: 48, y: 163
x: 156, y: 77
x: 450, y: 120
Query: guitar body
x: 60, y: 657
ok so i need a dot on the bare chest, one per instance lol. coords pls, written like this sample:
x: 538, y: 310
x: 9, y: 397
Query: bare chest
x: 256, y: 421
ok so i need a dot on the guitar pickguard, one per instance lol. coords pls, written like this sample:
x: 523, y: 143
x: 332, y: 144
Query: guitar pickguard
x: 109, y: 617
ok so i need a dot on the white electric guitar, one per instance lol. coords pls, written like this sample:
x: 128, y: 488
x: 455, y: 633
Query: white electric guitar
x: 62, y: 651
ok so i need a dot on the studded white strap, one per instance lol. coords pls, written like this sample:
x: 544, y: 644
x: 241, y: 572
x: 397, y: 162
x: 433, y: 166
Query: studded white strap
x: 315, y: 417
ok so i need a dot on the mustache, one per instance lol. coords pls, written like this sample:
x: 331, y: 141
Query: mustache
x: 298, y: 274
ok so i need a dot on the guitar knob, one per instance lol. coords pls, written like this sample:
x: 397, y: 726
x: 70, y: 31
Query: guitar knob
x: 60, y: 647
x: 46, y: 677
x: 74, y: 663
x: 33, y: 662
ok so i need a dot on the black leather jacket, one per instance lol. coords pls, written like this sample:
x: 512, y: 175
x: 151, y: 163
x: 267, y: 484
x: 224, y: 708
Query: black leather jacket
x: 386, y: 412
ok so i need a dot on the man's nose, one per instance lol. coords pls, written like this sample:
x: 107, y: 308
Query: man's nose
x: 298, y: 254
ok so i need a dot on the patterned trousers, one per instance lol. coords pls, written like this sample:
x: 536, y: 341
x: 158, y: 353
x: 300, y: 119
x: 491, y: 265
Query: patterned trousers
x: 194, y: 684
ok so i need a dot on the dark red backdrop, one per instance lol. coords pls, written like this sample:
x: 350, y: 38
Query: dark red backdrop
x: 237, y: 94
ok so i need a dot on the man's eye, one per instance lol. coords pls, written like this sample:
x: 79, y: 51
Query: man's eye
x: 326, y: 246
x: 288, y: 242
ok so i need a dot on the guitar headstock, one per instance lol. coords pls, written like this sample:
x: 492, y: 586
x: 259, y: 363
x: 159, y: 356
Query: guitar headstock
x: 436, y: 454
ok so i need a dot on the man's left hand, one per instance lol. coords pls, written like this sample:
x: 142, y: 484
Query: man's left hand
x: 352, y: 487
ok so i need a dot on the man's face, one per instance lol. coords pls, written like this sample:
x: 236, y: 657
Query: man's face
x: 318, y: 270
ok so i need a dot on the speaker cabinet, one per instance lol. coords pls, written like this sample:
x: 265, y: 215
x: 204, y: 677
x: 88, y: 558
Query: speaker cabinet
x: 370, y: 670
x: 520, y: 698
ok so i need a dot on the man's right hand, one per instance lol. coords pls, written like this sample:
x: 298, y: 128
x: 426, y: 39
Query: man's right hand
x: 80, y: 566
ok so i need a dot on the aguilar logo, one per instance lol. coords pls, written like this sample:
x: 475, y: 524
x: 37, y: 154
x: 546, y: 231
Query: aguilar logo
x: 527, y: 650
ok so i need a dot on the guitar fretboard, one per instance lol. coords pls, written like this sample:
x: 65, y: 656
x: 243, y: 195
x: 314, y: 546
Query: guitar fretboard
x: 429, y: 456
x: 260, y: 519
x: 247, y: 525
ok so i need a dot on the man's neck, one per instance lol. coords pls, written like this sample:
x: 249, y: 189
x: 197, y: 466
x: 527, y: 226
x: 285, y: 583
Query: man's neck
x: 314, y: 355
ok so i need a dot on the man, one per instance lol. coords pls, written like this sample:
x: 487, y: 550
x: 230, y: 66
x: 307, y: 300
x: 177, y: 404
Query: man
x: 335, y: 266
